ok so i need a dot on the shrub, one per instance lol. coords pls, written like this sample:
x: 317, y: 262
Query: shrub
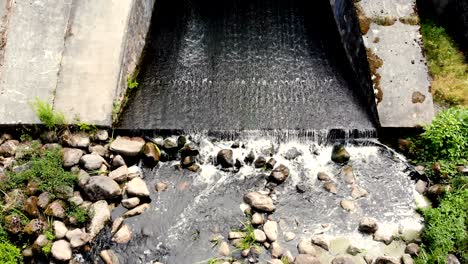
x: 45, y: 112
x: 9, y: 253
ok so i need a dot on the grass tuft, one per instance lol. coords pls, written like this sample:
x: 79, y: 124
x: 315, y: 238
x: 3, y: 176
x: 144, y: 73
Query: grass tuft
x: 46, y: 114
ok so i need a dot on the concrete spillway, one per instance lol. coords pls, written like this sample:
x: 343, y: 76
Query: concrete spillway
x: 218, y: 65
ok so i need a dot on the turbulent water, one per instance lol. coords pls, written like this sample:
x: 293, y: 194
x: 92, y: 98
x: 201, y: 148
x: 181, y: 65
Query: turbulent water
x: 178, y: 226
x: 244, y: 65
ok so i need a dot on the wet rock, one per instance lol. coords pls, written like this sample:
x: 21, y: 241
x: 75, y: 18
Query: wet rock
x: 288, y: 236
x: 78, y: 140
x: 302, y: 188
x: 386, y: 260
x: 260, y: 202
x: 223, y: 249
x: 109, y: 257
x: 44, y: 199
x: 60, y: 230
x: 348, y: 175
x: 342, y: 260
x: 330, y: 187
x: 271, y: 230
x: 189, y: 149
x: 56, y: 209
x: 368, y: 259
x: 292, y: 153
x: 348, y: 205
x: 352, y: 250
x: 123, y: 235
x: 100, y: 215
x: 259, y: 235
x: 118, y: 161
x: 250, y: 157
x: 137, y: 210
x: 279, y: 174
x: 61, y: 250
x: 413, y: 249
x: 306, y: 259
x: 194, y: 168
x: 270, y: 164
x: 170, y: 143
x: 323, y: 176
x: 130, y: 202
x: 276, y: 250
x: 8, y: 149
x: 102, y: 188
x: 368, y: 225
x: 30, y: 207
x: 383, y: 236
x: 421, y: 186
x: 102, y: 135
x: 137, y: 187
x: 134, y: 172
x: 161, y: 186
x: 260, y: 162
x: 71, y: 156
x: 127, y: 146
x: 187, y: 161
x: 225, y: 158
x: 151, y: 154
x: 358, y: 192
x: 321, y: 241
x: 452, y: 259
x: 35, y: 226
x: 339, y: 154
x: 305, y: 247
x: 407, y: 259
x: 92, y: 161
x: 120, y: 174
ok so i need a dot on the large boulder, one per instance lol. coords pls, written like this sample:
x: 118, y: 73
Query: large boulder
x: 225, y: 158
x: 339, y: 154
x: 102, y: 188
x: 127, y: 146
x: 260, y: 202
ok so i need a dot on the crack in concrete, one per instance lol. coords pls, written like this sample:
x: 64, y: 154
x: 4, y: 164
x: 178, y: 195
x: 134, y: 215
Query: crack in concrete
x: 5, y: 21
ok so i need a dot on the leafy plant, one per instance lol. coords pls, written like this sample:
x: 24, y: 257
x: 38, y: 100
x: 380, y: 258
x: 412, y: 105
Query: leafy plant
x: 9, y: 253
x: 248, y: 240
x: 46, y: 114
x: 80, y: 214
x: 132, y: 82
x: 47, y: 248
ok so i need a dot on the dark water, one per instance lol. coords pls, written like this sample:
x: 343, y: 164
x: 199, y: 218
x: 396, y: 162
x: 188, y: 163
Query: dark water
x: 244, y: 65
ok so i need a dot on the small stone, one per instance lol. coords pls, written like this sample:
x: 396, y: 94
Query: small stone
x: 59, y: 229
x: 383, y: 236
x: 271, y: 230
x: 8, y: 149
x: 287, y: 255
x: 352, y: 250
x: 190, y: 149
x: 407, y: 259
x: 35, y: 226
x: 330, y: 187
x: 116, y: 224
x: 235, y: 235
x: 30, y: 207
x: 98, y: 149
x: 436, y: 190
x: 40, y: 242
x: 44, y: 199
x: 368, y: 225
x: 225, y: 158
x: 260, y: 162
x: 77, y: 237
x: 109, y: 257
x: 151, y: 154
x: 161, y: 186
x: 137, y: 210
x: 27, y: 252
x: 292, y: 153
x: 368, y: 259
x: 413, y: 249
x: 170, y: 143
x: 78, y: 140
x: 257, y: 219
x: 120, y: 174
x: 187, y: 161
x: 32, y: 188
x: 61, y: 250
x: 386, y: 260
x: 421, y: 186
x: 56, y: 209
x: 288, y: 236
x: 321, y: 241
x: 118, y: 161
x: 339, y: 154
x: 92, y: 161
x: 342, y: 260
x: 83, y: 178
x: 100, y: 215
x: 260, y: 202
x: 223, y: 249
x: 276, y: 250
x: 305, y: 247
x: 250, y: 157
x: 130, y: 202
x: 323, y: 176
x: 452, y: 259
x: 270, y: 164
x: 127, y: 146
x: 134, y: 172
x: 348, y: 205
x: 102, y: 188
x: 71, y: 156
x: 194, y: 168
x: 124, y: 235
x: 102, y: 135
x: 279, y: 174
x: 259, y: 235
x: 358, y: 192
x: 76, y: 199
x: 348, y: 175
x: 137, y: 187
x: 301, y: 188
x: 306, y: 259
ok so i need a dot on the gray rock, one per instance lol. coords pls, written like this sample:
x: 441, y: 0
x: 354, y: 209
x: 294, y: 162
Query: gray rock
x: 259, y: 235
x: 137, y: 187
x: 274, y: 261
x: 137, y: 210
x: 44, y: 199
x: 452, y: 259
x: 8, y: 149
x: 407, y: 259
x: 339, y: 154
x: 421, y: 186
x: 92, y: 161
x: 76, y: 237
x: 276, y: 250
x: 130, y: 202
x: 71, y: 156
x: 120, y: 174
x: 59, y: 229
x: 61, y: 250
x: 102, y: 188
x: 279, y: 174
x: 358, y: 192
x: 352, y: 250
x: 271, y: 230
x: 102, y: 135
x: 40, y: 242
x: 330, y: 187
x: 348, y: 175
x: 78, y: 140
x: 287, y: 255
x: 161, y: 186
x: 98, y: 149
x: 288, y: 236
x: 321, y: 241
x: 100, y: 215
x: 323, y: 176
x: 383, y: 236
x: 386, y: 260
x: 109, y: 257
x: 260, y: 202
x: 225, y: 158
x: 118, y: 161
x: 117, y: 224
x: 83, y: 178
x: 305, y: 247
x: 235, y: 235
x: 123, y: 235
x: 56, y: 209
x: 134, y: 172
x: 223, y: 249
x: 368, y: 225
x: 292, y: 153
x: 76, y: 199
x: 413, y: 249
x: 348, y: 205
x: 342, y: 260
x: 127, y: 146
x: 306, y: 259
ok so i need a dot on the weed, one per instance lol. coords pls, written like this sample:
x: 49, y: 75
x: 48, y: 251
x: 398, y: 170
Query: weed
x: 80, y: 214
x: 47, y: 248
x: 248, y: 241
x: 46, y: 114
x: 9, y: 253
x: 285, y: 260
x: 132, y: 82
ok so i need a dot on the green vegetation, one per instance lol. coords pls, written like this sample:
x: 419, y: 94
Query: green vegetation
x: 248, y: 241
x: 80, y: 214
x: 9, y: 253
x: 132, y: 82
x: 446, y: 64
x: 45, y: 112
x: 285, y: 260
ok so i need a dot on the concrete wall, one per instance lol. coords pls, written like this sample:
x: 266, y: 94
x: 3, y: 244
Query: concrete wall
x: 74, y: 54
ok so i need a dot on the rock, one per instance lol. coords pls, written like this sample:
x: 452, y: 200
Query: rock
x: 137, y: 187
x: 223, y: 249
x: 305, y: 247
x: 276, y: 250
x: 194, y: 168
x: 259, y: 235
x: 170, y: 143
x: 76, y: 199
x: 109, y: 257
x: 404, y: 145
x: 257, y: 219
x: 60, y: 230
x: 352, y: 250
x: 78, y: 140
x: 151, y: 154
x: 348, y: 175
x: 117, y: 224
x: 56, y: 209
x: 83, y: 178
x: 102, y: 188
x: 30, y: 207
x: 118, y: 161
x: 292, y: 153
x: 123, y: 235
x: 27, y: 252
x: 161, y: 186
x: 120, y: 174
x: 462, y: 169
x: 235, y: 235
x: 358, y: 192
x: 100, y: 215
x: 407, y: 259
x: 189, y: 149
x: 187, y: 161
x: 436, y: 190
x: 368, y: 225
x: 260, y: 162
x: 421, y: 186
x: 130, y: 202
x: 279, y: 174
x: 413, y: 249
x: 274, y: 261
x: 288, y: 236
x: 321, y: 241
x: 260, y: 202
x: 44, y: 199
x: 71, y: 156
x: 342, y: 260
x: 287, y: 255
x: 101, y: 135
x: 40, y: 242
x: 127, y: 146
x: 250, y: 157
x: 383, y: 236
x: 225, y: 158
x: 271, y: 230
x: 330, y: 187
x: 306, y: 259
x: 386, y: 260
x: 8, y: 149
x: 270, y: 164
x: 368, y: 259
x: 452, y: 259
x: 32, y: 188
x: 348, y: 205
x: 61, y: 250
x: 323, y: 176
x: 35, y: 226
x: 92, y: 161
x: 99, y: 150
x: 64, y: 192
x: 301, y: 188
x: 134, y: 172
x: 76, y: 237
x: 339, y: 154
x: 137, y: 210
